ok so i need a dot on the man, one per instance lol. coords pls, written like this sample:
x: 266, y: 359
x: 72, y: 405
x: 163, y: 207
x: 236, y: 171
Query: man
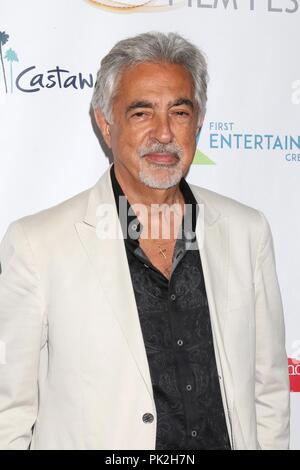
x: 143, y: 341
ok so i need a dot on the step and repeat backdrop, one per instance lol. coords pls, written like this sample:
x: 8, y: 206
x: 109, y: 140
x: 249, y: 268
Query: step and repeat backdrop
x: 249, y: 147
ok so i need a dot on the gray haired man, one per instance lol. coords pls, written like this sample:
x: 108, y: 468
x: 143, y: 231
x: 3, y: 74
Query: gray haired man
x: 170, y: 336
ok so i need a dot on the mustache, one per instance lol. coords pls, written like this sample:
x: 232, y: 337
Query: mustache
x: 157, y: 147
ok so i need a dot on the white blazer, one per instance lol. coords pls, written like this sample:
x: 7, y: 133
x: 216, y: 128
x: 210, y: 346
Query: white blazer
x: 73, y: 368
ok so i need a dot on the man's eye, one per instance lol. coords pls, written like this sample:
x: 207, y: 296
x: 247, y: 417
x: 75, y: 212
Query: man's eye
x: 139, y: 114
x: 182, y: 113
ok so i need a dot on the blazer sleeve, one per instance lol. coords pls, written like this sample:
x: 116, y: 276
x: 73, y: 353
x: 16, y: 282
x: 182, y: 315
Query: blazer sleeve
x: 21, y: 331
x: 272, y: 391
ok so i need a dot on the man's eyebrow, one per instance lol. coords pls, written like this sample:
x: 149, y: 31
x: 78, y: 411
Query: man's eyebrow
x: 139, y: 104
x: 147, y: 104
x: 181, y: 101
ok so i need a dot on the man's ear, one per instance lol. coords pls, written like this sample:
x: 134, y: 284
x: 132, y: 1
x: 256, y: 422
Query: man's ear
x: 198, y: 130
x: 104, y: 126
x: 199, y: 126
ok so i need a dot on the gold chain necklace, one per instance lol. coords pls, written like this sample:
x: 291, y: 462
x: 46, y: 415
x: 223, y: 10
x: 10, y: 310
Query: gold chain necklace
x: 162, y: 251
x: 158, y: 247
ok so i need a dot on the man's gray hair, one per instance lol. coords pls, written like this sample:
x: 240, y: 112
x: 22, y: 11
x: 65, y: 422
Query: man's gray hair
x: 152, y: 47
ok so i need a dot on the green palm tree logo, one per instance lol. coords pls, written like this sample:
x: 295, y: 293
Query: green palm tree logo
x: 3, y: 40
x: 11, y: 57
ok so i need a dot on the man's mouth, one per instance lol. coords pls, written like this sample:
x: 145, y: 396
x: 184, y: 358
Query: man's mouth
x: 163, y: 158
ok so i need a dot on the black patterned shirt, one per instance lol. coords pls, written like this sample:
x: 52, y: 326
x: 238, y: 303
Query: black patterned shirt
x: 176, y: 328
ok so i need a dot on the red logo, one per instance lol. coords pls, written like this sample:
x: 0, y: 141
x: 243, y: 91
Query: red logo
x: 294, y: 373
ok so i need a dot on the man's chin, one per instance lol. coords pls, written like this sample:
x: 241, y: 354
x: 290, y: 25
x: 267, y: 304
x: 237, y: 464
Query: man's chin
x: 161, y: 181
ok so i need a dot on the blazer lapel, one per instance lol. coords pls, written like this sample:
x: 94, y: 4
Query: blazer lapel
x: 108, y: 257
x: 212, y: 231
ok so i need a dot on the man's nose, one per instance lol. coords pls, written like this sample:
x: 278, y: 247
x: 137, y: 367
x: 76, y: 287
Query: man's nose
x: 161, y: 130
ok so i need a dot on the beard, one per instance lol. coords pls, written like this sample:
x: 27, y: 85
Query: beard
x: 160, y: 175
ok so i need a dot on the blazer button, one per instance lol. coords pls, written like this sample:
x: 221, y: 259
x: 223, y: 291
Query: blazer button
x: 148, y: 418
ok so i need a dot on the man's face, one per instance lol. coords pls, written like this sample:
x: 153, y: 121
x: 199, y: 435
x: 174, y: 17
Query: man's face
x: 153, y: 133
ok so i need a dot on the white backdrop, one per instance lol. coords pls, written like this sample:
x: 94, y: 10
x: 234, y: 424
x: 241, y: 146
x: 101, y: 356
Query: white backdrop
x: 49, y: 151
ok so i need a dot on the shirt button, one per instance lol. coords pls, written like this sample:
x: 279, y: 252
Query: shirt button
x: 194, y: 433
x: 148, y: 418
x: 180, y: 342
x: 188, y: 388
x: 173, y: 297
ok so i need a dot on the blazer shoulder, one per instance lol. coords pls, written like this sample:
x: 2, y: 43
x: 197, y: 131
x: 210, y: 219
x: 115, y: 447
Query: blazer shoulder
x: 227, y: 206
x: 56, y: 219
